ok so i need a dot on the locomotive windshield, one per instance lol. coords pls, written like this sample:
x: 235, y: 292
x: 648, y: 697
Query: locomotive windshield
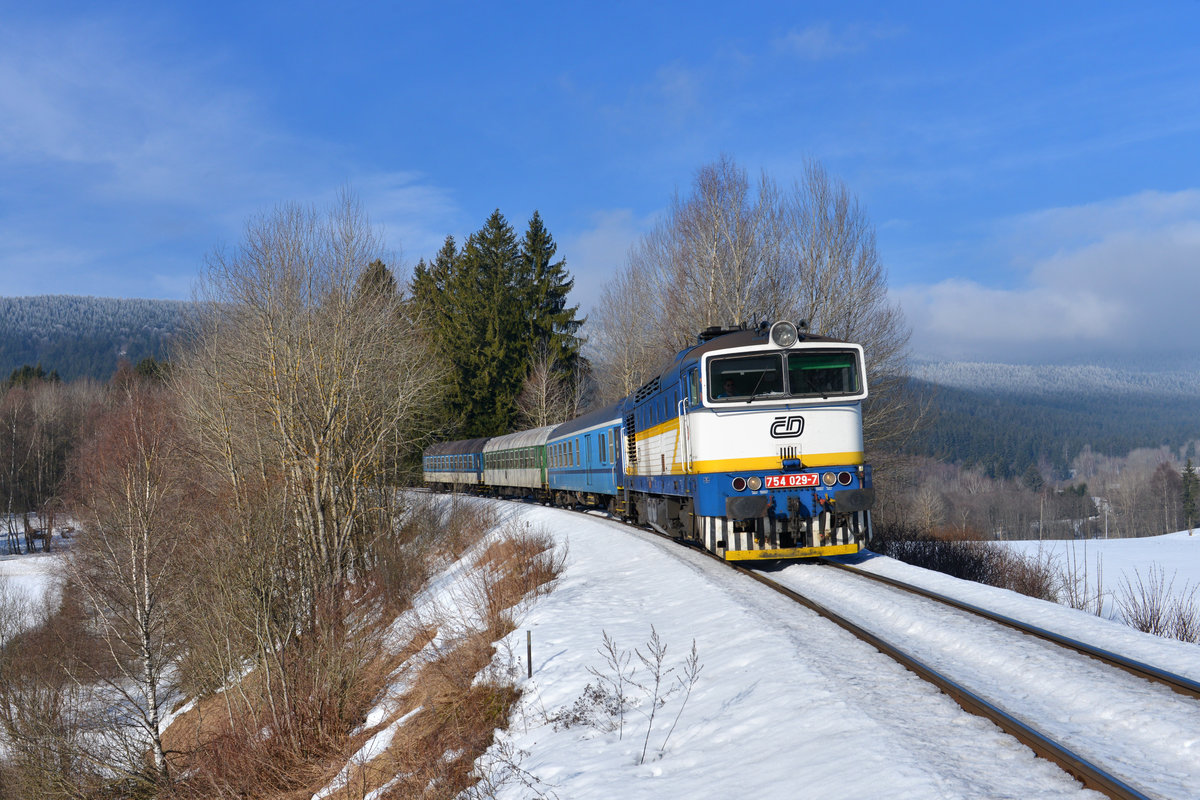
x: 816, y: 373
x: 767, y: 376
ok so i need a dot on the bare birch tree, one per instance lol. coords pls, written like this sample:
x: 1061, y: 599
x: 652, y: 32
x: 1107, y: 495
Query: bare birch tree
x: 302, y: 377
x: 730, y: 252
x: 134, y: 491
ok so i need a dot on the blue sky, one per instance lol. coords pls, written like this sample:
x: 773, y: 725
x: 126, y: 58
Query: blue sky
x: 1031, y: 169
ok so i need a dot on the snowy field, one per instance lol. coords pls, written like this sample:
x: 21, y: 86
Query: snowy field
x: 29, y: 580
x: 1108, y: 564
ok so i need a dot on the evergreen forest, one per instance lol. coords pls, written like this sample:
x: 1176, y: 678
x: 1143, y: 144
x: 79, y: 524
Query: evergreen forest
x: 1004, y: 433
x: 86, y: 337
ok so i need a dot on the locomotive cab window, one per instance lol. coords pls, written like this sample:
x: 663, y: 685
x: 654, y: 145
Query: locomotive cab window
x: 743, y: 378
x: 823, y: 373
x: 766, y: 376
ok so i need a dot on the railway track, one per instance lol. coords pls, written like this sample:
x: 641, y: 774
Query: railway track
x: 1090, y: 769
x: 1086, y: 770
x: 1178, y: 683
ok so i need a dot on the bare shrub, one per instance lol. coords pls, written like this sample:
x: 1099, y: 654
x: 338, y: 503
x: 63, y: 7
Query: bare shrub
x: 44, y: 709
x: 1075, y: 585
x: 1031, y: 575
x: 1151, y: 605
x: 620, y: 688
x: 281, y: 721
x: 961, y: 559
x: 982, y: 562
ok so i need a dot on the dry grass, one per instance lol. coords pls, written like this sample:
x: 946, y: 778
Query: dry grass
x: 241, y: 744
x: 511, y: 571
x: 458, y: 697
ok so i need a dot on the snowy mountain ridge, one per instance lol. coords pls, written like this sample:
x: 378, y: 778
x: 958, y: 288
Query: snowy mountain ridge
x: 1049, y: 380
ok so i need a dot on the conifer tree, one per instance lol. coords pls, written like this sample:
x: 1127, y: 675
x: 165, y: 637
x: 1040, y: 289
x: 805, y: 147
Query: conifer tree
x: 378, y: 278
x: 491, y: 264
x: 552, y: 324
x: 494, y: 307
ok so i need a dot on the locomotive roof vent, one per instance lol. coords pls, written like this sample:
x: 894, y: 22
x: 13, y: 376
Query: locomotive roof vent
x: 713, y: 331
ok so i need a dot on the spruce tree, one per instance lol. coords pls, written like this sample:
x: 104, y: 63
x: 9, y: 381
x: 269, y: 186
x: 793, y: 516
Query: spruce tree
x: 491, y: 262
x: 493, y: 307
x: 552, y: 324
x: 378, y: 278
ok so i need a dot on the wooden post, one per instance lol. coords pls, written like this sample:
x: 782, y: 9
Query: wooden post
x: 529, y: 651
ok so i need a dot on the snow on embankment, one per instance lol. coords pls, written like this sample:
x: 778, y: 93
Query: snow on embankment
x: 786, y: 705
x: 1112, y: 569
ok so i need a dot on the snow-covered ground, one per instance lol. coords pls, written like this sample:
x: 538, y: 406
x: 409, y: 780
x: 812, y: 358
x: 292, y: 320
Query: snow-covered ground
x: 786, y: 705
x: 1109, y: 564
x: 27, y: 582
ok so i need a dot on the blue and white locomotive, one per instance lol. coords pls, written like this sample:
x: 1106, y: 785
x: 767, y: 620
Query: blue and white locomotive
x: 749, y: 443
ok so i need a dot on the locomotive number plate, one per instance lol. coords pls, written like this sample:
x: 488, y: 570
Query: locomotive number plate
x: 791, y: 481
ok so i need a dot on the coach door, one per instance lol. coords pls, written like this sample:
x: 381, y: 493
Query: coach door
x: 588, y: 466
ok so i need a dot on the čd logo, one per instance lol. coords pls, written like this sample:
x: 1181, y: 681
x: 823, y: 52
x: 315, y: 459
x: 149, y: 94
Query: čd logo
x: 787, y: 427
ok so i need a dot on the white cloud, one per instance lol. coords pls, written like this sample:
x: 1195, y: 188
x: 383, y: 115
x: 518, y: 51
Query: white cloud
x: 820, y: 42
x: 594, y: 255
x: 414, y: 215
x: 156, y: 156
x: 1114, y: 278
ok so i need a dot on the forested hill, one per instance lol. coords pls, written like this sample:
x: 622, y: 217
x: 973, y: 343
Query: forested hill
x: 1005, y: 417
x: 1056, y: 380
x: 86, y: 336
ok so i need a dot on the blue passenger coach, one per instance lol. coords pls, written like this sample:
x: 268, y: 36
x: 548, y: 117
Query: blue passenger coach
x: 584, y: 457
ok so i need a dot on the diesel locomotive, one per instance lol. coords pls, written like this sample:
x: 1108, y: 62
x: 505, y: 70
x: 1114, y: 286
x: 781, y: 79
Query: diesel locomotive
x: 749, y: 443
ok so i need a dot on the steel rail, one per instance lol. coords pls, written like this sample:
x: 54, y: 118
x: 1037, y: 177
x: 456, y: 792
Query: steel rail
x: 1179, y: 683
x: 1090, y: 775
x: 1087, y: 773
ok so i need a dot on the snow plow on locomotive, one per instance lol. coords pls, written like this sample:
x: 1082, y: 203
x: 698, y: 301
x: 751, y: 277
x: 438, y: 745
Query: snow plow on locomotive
x: 749, y: 443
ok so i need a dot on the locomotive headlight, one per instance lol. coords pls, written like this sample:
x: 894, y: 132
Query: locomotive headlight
x: 829, y: 478
x: 784, y: 334
x: 755, y: 483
